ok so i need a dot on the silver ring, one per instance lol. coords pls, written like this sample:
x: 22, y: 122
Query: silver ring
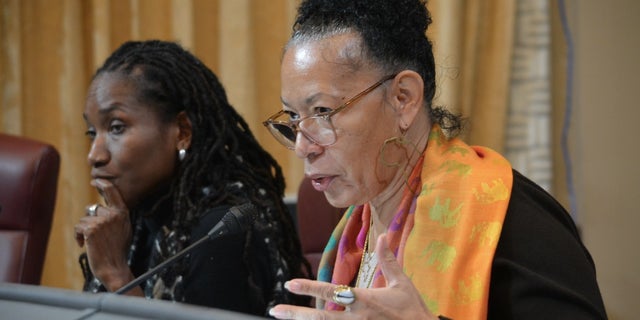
x: 93, y: 210
x: 343, y: 295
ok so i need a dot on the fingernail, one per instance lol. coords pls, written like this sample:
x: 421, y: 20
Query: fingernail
x: 275, y: 313
x: 292, y: 286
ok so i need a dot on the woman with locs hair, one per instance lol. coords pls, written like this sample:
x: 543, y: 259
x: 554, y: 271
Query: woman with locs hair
x: 434, y: 228
x: 170, y: 157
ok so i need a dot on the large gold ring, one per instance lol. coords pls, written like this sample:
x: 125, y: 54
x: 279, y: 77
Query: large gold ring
x: 93, y: 210
x: 343, y: 295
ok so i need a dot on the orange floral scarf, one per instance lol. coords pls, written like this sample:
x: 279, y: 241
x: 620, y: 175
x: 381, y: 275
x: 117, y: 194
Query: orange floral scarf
x: 444, y: 234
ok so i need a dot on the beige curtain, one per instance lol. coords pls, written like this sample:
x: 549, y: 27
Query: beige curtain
x: 50, y: 49
x: 473, y: 43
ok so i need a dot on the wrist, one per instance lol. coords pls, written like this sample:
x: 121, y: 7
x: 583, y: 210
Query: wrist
x: 116, y: 280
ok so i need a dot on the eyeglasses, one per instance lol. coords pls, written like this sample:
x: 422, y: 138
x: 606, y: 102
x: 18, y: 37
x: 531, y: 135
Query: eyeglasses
x: 317, y: 128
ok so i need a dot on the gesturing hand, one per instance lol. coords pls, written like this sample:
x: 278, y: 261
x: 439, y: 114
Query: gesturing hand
x: 107, y: 236
x: 398, y: 300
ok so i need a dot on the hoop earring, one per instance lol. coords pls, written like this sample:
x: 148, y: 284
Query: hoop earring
x: 399, y: 141
x: 182, y: 153
x: 402, y: 143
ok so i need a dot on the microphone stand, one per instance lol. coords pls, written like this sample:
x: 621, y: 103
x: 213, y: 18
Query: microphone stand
x: 238, y: 219
x: 159, y: 267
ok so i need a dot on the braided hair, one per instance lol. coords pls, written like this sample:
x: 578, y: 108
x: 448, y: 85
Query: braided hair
x: 225, y: 163
x: 393, y: 38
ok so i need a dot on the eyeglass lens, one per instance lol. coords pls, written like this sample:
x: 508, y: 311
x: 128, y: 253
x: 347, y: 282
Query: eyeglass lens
x: 316, y: 128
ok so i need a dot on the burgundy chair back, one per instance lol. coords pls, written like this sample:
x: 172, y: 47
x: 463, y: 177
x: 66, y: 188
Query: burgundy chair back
x: 28, y: 183
x: 316, y: 220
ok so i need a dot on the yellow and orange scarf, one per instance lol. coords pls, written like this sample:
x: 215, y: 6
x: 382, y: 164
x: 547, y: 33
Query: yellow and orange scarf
x: 444, y: 234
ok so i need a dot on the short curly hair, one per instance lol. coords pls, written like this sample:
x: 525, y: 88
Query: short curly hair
x: 393, y: 34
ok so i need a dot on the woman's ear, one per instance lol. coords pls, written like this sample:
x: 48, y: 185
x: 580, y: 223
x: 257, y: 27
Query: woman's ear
x: 184, y: 130
x: 408, y: 97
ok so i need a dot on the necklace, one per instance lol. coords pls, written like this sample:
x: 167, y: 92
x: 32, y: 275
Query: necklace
x: 368, y: 263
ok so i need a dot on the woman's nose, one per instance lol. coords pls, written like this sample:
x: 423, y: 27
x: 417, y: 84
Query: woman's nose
x: 305, y: 148
x: 98, y: 154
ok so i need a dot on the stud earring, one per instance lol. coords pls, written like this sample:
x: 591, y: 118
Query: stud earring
x: 182, y: 153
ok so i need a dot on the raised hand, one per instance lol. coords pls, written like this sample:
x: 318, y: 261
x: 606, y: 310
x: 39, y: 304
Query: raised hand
x: 107, y: 236
x: 398, y: 300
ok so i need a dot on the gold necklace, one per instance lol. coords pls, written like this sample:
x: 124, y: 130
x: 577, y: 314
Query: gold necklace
x: 370, y: 275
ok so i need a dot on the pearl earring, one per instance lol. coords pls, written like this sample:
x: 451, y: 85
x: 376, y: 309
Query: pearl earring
x: 182, y: 153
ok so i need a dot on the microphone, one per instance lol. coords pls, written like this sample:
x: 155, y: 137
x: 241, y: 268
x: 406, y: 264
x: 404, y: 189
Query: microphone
x: 237, y: 219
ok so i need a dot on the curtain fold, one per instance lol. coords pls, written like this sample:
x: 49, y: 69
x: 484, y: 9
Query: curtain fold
x: 475, y: 56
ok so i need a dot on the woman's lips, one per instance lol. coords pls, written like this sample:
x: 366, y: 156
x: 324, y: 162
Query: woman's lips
x: 321, y: 183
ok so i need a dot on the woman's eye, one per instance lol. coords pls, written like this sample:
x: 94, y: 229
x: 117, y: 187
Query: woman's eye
x: 91, y: 133
x: 116, y: 127
x: 292, y: 115
x: 321, y: 110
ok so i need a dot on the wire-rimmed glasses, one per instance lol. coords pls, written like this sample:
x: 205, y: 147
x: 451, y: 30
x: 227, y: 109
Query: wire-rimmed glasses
x: 318, y: 128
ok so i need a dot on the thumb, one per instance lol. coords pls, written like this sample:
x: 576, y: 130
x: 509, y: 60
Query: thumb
x: 388, y: 263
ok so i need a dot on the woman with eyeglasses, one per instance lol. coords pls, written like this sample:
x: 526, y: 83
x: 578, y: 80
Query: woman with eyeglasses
x: 435, y: 228
x: 172, y: 158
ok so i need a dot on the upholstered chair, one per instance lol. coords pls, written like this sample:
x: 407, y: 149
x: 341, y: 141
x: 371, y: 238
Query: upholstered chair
x: 28, y: 183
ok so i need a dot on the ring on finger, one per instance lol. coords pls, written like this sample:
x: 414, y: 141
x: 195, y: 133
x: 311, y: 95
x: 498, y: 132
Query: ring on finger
x: 344, y: 295
x: 93, y: 210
